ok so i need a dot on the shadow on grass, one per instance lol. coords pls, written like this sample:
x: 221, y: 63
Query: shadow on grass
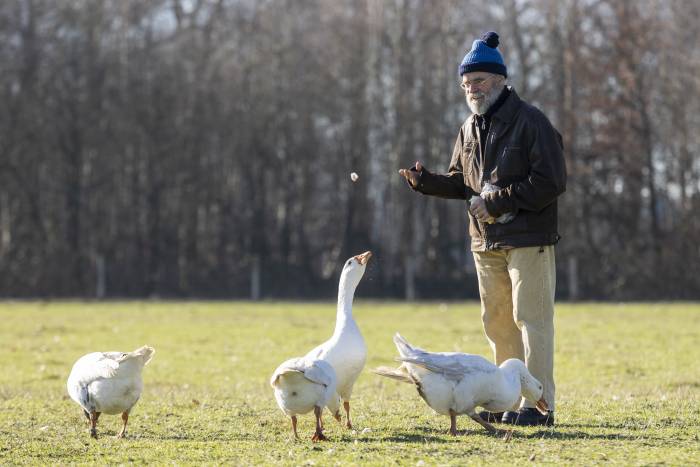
x: 409, y: 438
x: 197, y: 437
x: 576, y: 434
x: 414, y: 437
x: 639, y: 426
x: 418, y: 434
x: 429, y: 434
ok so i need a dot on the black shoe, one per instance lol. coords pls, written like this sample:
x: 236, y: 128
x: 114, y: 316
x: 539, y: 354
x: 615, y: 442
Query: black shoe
x: 491, y: 417
x: 529, y: 416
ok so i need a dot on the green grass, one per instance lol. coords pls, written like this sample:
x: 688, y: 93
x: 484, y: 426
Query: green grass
x: 628, y: 385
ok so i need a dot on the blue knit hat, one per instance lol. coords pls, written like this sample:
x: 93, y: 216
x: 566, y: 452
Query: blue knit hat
x: 484, y: 57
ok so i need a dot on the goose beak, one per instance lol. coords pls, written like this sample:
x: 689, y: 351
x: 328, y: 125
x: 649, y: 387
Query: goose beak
x: 542, y: 406
x: 364, y: 257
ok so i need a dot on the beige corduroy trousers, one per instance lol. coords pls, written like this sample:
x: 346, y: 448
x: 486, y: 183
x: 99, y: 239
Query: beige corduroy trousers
x: 517, y: 309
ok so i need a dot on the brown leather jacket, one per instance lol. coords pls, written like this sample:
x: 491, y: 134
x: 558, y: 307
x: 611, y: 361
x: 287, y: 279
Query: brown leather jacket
x: 523, y: 157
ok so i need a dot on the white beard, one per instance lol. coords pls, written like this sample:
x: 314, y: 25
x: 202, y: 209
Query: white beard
x: 481, y: 106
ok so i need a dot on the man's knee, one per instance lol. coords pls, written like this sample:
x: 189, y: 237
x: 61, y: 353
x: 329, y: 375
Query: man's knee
x: 498, y: 326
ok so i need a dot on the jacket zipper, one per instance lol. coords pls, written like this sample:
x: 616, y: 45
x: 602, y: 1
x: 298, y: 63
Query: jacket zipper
x: 489, y: 136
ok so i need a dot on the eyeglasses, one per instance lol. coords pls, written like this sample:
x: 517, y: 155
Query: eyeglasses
x: 478, y: 82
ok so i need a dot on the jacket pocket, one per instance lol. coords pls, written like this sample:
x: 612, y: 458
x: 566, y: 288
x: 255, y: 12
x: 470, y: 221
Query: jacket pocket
x: 468, y: 155
x: 519, y: 225
x: 510, y: 163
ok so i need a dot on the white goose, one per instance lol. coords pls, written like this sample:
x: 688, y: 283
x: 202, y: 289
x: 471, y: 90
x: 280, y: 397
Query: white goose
x: 454, y: 383
x: 303, y: 385
x: 108, y: 382
x: 346, y: 350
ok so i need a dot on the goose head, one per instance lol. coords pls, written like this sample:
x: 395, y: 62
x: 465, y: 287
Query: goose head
x: 145, y: 353
x: 354, y: 269
x: 136, y: 360
x: 530, y: 387
x: 334, y: 406
x: 533, y: 390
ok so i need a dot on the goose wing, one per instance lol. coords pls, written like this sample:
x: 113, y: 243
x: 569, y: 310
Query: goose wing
x: 320, y: 372
x: 316, y: 371
x: 88, y: 369
x: 97, y: 365
x: 452, y: 365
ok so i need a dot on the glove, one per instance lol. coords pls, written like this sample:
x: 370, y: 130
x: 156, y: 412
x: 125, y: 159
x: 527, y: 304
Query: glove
x: 503, y: 218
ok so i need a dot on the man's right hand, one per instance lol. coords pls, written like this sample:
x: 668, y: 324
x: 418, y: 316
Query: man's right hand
x: 412, y: 175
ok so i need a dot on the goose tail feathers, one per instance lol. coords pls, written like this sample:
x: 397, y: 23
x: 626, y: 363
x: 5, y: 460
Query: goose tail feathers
x: 393, y: 373
x: 405, y: 349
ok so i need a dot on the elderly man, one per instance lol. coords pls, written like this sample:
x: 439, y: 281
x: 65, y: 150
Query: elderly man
x: 508, y: 163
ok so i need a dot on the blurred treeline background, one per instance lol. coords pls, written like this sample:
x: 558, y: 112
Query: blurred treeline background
x: 202, y: 148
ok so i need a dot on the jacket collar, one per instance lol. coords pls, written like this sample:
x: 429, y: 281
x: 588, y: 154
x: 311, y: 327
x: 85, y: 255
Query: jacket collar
x: 484, y: 121
x: 509, y: 108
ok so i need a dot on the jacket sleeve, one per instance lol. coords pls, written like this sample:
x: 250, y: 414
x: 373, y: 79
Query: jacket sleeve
x: 547, y: 176
x: 450, y: 185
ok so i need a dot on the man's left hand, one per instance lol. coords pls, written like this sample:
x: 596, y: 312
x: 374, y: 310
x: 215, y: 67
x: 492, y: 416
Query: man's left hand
x: 478, y: 208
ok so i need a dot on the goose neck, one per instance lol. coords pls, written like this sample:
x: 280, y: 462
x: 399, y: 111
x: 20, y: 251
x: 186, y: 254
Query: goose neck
x: 513, y: 369
x: 346, y: 292
x: 344, y: 307
x: 345, y: 297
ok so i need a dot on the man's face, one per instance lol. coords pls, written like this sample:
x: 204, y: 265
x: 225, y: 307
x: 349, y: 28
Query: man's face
x: 481, y: 90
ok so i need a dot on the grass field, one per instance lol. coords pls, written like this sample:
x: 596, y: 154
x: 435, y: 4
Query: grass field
x: 628, y: 382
